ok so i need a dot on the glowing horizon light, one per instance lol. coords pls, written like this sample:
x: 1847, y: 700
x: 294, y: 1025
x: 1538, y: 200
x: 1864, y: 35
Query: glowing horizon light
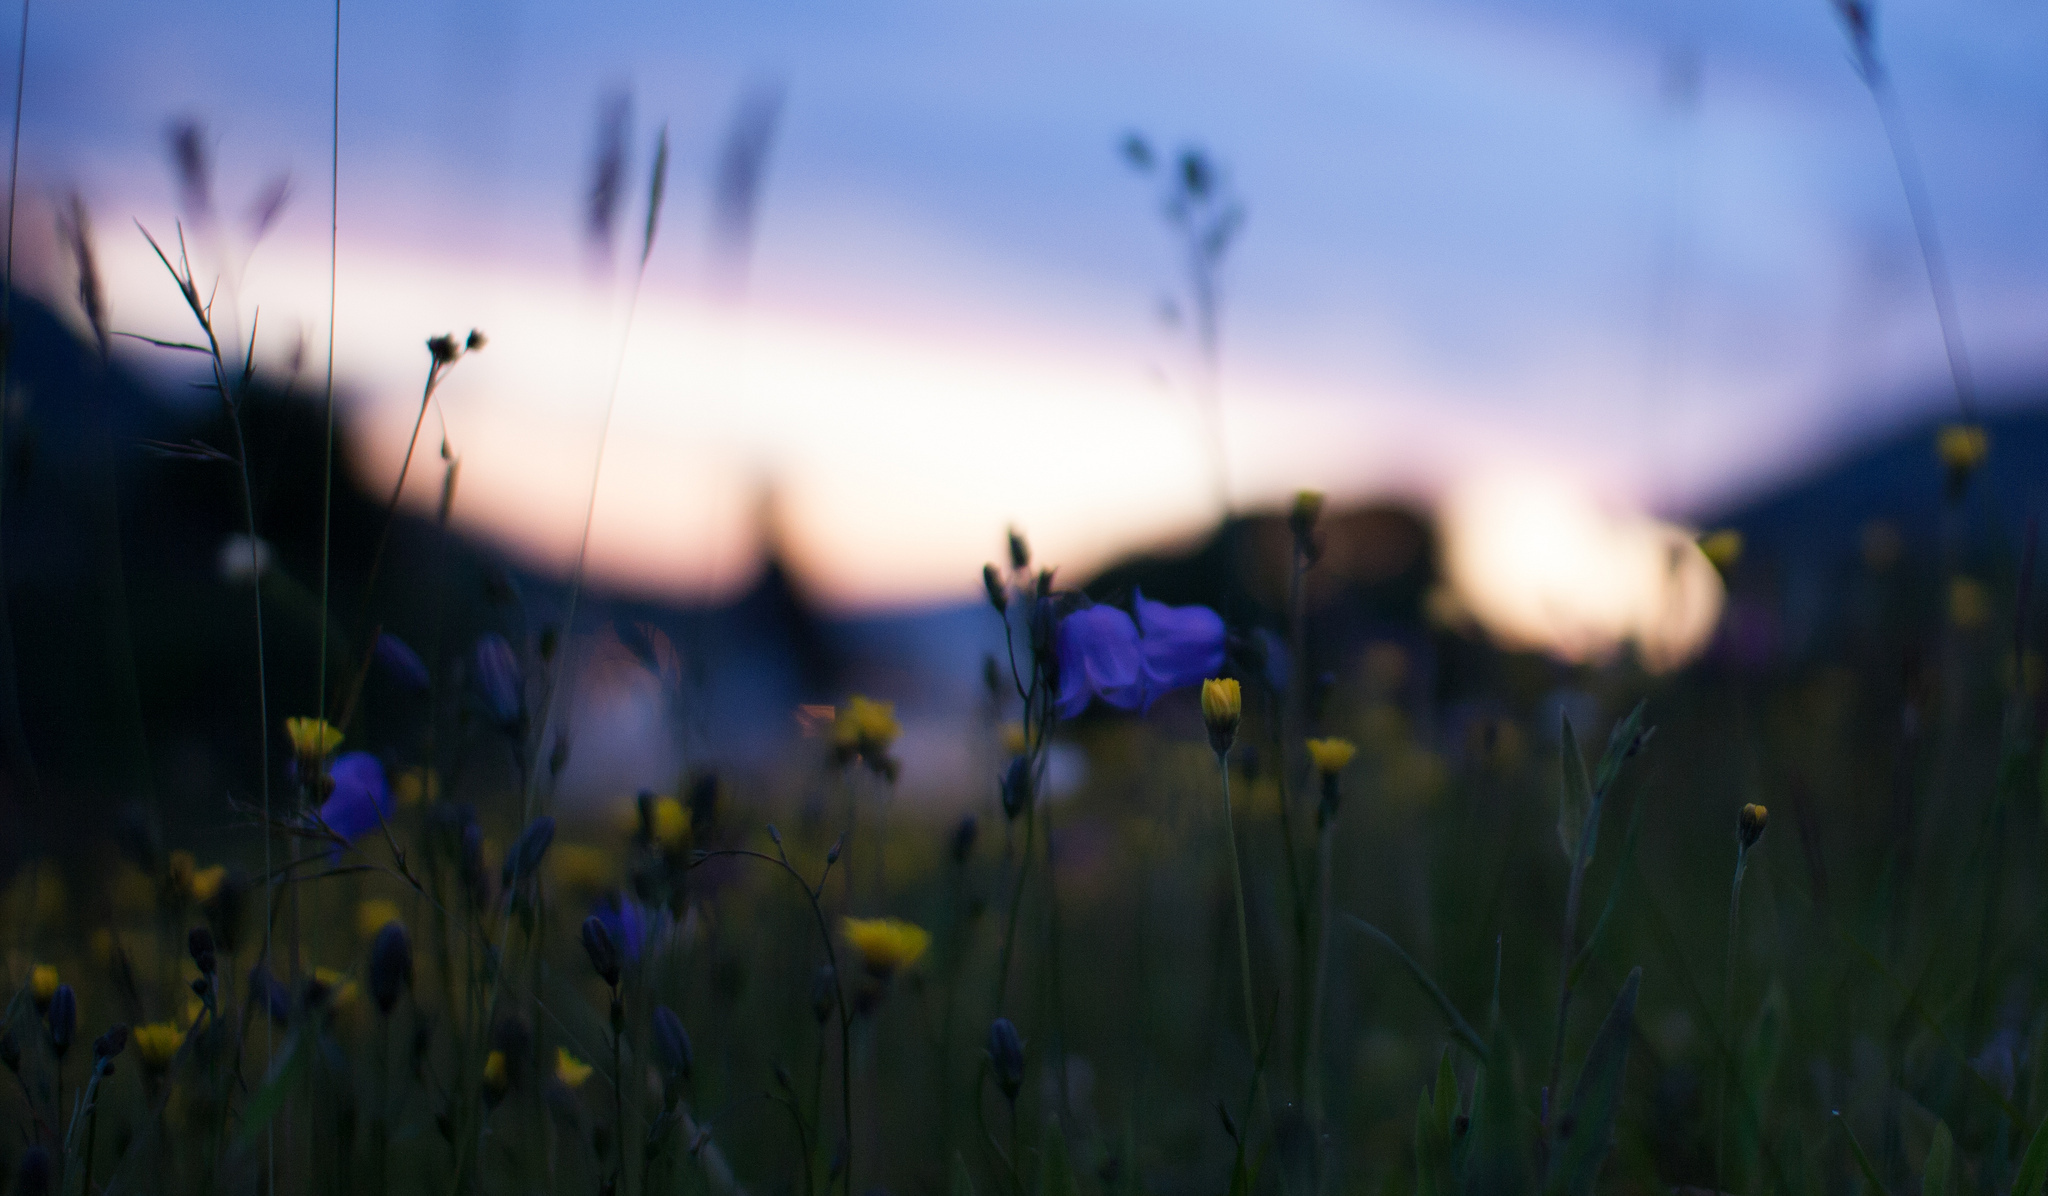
x: 1539, y: 563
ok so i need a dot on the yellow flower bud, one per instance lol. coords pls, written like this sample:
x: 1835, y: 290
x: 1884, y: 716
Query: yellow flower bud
x: 312, y: 738
x: 671, y: 824
x: 157, y: 1044
x: 42, y: 984
x: 497, y: 1077
x: 1750, y: 823
x: 1222, y: 705
x: 1331, y: 755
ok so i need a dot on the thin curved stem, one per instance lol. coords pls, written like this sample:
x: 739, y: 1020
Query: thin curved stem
x: 1244, y: 941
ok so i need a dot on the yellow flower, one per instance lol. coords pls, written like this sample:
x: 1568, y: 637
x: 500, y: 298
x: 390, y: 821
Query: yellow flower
x: 1013, y: 739
x: 671, y: 823
x: 1969, y: 603
x: 1723, y: 548
x: 1331, y: 755
x: 374, y: 915
x: 185, y: 879
x: 497, y: 1077
x: 1222, y: 704
x: 1962, y: 447
x: 568, y: 1068
x: 581, y: 866
x: 886, y: 944
x: 42, y: 983
x: 1750, y: 823
x: 341, y: 991
x: 866, y: 725
x: 158, y: 1044
x: 416, y: 785
x: 206, y: 882
x: 312, y: 738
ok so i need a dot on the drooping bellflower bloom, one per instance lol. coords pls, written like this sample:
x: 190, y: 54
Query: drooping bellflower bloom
x: 360, y: 800
x: 1181, y: 645
x: 401, y: 662
x: 497, y: 672
x: 625, y: 922
x: 1104, y: 653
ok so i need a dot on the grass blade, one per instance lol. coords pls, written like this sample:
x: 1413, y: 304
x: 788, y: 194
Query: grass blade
x: 1460, y: 1028
x: 1587, y: 1130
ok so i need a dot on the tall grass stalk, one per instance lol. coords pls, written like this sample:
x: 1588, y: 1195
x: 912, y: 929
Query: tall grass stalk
x: 1727, y: 1015
x: 1244, y: 940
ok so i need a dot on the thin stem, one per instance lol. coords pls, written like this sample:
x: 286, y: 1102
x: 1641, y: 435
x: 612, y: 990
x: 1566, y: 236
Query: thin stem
x: 1016, y: 900
x: 1312, y: 1074
x: 1727, y: 1017
x: 1244, y: 942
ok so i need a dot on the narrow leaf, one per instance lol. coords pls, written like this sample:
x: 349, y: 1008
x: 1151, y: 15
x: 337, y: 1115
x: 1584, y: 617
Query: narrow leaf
x: 1575, y: 800
x: 1940, y: 1161
x: 1055, y: 1176
x: 1587, y: 1130
x: 276, y: 1086
x: 1497, y: 1162
x: 1460, y: 1028
x: 2033, y: 1164
x: 1432, y: 1151
x: 960, y: 1183
x: 1870, y: 1173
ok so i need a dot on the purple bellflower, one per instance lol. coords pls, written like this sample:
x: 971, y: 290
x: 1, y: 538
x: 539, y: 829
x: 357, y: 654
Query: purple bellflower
x: 497, y: 672
x: 360, y: 799
x: 626, y: 922
x: 401, y: 662
x: 1104, y: 653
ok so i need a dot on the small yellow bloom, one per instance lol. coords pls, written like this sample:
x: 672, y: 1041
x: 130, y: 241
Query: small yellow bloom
x: 1962, y: 447
x: 207, y: 881
x: 886, y: 944
x: 568, y: 1069
x: 341, y: 991
x: 581, y: 866
x: 671, y: 823
x: 416, y: 785
x: 1969, y: 603
x: 1222, y: 704
x: 1331, y: 755
x: 1723, y: 548
x: 866, y: 725
x: 1750, y: 823
x: 42, y: 983
x: 374, y: 915
x: 497, y: 1076
x: 158, y: 1044
x: 312, y: 738
x: 1013, y: 739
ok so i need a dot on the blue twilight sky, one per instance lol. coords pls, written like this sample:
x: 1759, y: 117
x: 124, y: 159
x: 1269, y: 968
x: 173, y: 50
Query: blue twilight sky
x: 1657, y: 247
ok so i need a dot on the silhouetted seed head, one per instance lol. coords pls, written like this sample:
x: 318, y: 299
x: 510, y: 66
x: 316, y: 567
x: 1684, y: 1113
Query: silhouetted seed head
x: 964, y: 834
x: 200, y: 943
x: 110, y: 1044
x: 187, y: 139
x: 1197, y: 178
x: 1020, y: 552
x: 1750, y: 823
x: 1301, y: 520
x: 497, y: 674
x: 998, y: 593
x: 1015, y: 786
x: 608, y: 169
x: 63, y: 1019
x: 390, y: 965
x: 444, y: 348
x: 1006, y: 1057
x: 32, y: 1177
x: 838, y: 845
x: 1136, y: 151
x: 604, y: 954
x: 672, y: 1043
x: 774, y: 836
x: 477, y: 340
x: 1222, y: 706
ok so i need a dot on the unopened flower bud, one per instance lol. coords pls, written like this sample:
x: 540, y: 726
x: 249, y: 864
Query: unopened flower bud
x: 1750, y: 823
x: 444, y: 348
x: 1006, y: 1057
x: 390, y: 965
x: 110, y: 1044
x: 1222, y: 706
x: 604, y: 954
x: 998, y: 593
x: 63, y: 1019
x: 1020, y: 552
x: 200, y: 944
x: 1016, y: 786
x: 964, y: 835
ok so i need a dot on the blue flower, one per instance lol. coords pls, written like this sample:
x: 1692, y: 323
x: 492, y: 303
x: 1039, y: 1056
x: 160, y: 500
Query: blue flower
x: 626, y: 922
x: 497, y: 671
x: 360, y: 799
x: 1104, y: 653
x: 1181, y: 645
x: 398, y: 659
x: 1099, y: 658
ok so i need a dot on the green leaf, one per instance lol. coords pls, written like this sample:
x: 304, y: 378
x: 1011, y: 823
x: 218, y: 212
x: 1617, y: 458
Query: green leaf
x: 1575, y: 800
x: 1497, y: 1161
x: 2034, y: 1164
x: 1446, y: 1102
x: 1628, y: 735
x: 1586, y: 1132
x: 1432, y: 1151
x: 1460, y: 1028
x: 1940, y: 1161
x: 1628, y: 855
x: 276, y: 1086
x: 959, y: 1183
x: 1055, y: 1177
x: 1863, y: 1160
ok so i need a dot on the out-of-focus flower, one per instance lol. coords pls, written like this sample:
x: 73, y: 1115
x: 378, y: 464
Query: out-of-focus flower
x: 1179, y: 645
x: 1099, y: 657
x: 1331, y: 755
x: 62, y: 1017
x: 497, y: 1077
x: 1302, y: 519
x: 268, y: 992
x: 1969, y: 603
x: 1222, y: 705
x: 312, y: 738
x: 886, y: 945
x: 1016, y: 787
x: 1006, y: 1057
x: 157, y: 1044
x: 1962, y: 448
x: 669, y: 823
x: 188, y: 881
x: 1723, y: 548
x: 603, y: 952
x: 524, y: 860
x: 626, y: 922
x: 390, y: 965
x: 334, y: 986
x: 42, y: 985
x: 497, y: 674
x: 570, y: 1070
x: 865, y: 729
x: 242, y: 559
x: 417, y: 785
x: 1012, y: 736
x: 374, y: 915
x: 206, y: 882
x: 399, y: 660
x: 583, y: 867
x: 1750, y: 823
x: 360, y: 801
x: 672, y: 1043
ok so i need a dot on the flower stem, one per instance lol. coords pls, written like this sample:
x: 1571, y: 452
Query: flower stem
x: 1244, y: 942
x: 1727, y: 1017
